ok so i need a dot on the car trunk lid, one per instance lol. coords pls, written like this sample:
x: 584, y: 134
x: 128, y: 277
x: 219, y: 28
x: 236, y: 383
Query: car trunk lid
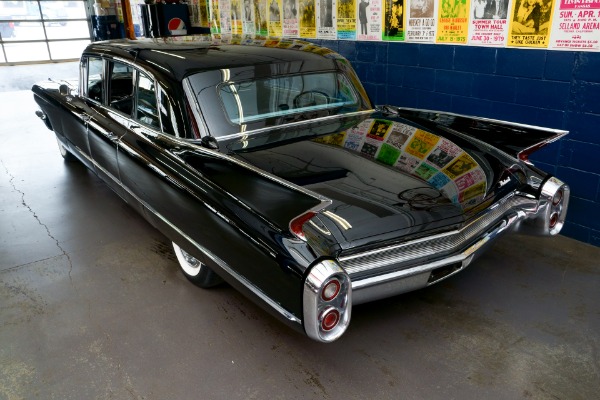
x: 388, y: 179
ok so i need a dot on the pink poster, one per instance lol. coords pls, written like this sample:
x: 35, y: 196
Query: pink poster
x: 576, y: 25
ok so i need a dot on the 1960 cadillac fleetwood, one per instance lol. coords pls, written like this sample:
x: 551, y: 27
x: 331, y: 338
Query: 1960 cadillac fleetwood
x: 267, y: 166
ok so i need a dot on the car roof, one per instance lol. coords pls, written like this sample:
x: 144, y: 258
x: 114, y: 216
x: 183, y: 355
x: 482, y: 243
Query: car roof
x: 181, y: 56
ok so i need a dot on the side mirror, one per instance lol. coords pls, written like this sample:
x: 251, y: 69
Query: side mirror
x: 64, y: 90
x: 209, y: 142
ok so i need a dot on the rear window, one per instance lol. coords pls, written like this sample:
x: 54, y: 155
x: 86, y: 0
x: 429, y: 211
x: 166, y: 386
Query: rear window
x: 321, y: 94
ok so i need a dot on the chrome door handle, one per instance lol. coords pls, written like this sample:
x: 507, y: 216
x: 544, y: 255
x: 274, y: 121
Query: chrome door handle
x: 112, y: 136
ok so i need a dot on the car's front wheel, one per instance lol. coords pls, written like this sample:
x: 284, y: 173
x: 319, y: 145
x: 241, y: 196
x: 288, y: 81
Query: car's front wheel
x: 194, y: 270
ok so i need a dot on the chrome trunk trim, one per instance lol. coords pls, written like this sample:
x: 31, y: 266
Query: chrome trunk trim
x: 392, y: 257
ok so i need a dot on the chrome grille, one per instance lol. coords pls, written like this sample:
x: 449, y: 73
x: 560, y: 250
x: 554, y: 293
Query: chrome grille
x: 437, y: 245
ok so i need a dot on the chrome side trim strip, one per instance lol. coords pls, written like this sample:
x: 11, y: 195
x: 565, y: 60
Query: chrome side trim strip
x: 254, y: 289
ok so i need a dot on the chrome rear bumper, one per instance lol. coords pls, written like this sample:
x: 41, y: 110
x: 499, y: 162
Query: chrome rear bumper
x: 412, y: 265
x: 422, y: 275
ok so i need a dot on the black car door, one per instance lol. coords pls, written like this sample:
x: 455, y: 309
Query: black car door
x: 165, y: 189
x: 108, y: 122
x: 81, y: 108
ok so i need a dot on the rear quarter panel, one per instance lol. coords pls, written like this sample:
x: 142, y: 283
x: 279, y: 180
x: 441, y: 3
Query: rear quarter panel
x: 229, y: 217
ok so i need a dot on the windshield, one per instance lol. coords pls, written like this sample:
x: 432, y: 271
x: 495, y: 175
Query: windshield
x: 318, y: 94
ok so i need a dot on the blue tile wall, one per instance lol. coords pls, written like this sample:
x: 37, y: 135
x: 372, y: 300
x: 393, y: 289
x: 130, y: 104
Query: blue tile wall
x: 433, y: 56
x: 475, y: 59
x: 420, y: 78
x: 558, y: 89
x: 559, y: 65
x: 494, y: 87
x: 543, y: 94
x: 453, y: 82
x: 520, y: 63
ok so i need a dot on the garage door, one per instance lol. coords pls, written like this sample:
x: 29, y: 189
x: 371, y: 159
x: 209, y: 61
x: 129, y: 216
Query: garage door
x: 42, y: 30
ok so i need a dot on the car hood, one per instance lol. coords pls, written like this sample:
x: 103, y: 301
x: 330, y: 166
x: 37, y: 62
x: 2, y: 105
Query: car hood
x: 387, y: 178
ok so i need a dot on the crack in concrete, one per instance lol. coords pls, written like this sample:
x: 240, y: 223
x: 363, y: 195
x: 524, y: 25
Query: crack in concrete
x: 37, y: 218
x: 16, y: 267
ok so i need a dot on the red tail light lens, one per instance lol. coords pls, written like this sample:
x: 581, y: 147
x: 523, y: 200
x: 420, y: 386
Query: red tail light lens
x: 297, y: 223
x: 553, y: 220
x: 524, y: 155
x: 330, y: 319
x: 331, y: 290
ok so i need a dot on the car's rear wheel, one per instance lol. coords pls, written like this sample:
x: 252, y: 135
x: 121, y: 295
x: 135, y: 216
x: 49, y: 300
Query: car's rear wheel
x: 64, y: 152
x: 194, y: 270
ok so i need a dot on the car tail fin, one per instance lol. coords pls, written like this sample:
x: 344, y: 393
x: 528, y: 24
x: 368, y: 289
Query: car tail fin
x: 517, y: 140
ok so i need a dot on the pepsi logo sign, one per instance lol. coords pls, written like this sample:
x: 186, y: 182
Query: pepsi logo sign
x: 177, y: 27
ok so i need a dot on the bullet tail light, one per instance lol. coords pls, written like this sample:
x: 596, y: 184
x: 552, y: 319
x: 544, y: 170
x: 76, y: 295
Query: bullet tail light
x: 327, y: 301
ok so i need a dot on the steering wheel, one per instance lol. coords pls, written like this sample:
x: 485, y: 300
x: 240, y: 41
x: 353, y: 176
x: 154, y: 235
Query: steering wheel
x: 310, y: 98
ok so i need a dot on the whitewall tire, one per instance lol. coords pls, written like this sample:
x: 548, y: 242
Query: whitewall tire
x: 194, y: 270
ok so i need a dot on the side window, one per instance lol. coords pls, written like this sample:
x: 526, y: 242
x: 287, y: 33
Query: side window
x: 121, y: 87
x: 167, y: 115
x: 146, y: 111
x: 95, y: 79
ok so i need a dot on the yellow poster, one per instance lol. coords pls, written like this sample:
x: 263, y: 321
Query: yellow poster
x: 308, y: 19
x: 393, y: 26
x: 261, y: 17
x: 198, y: 12
x: 453, y: 21
x: 236, y: 17
x: 473, y: 191
x: 203, y: 12
x: 530, y: 23
x: 421, y: 143
x: 275, y: 27
x: 346, y: 19
x: 460, y: 165
x: 215, y: 18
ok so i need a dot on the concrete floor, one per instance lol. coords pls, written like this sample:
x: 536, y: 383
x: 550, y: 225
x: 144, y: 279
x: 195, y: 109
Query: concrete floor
x: 93, y: 306
x: 21, y: 77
